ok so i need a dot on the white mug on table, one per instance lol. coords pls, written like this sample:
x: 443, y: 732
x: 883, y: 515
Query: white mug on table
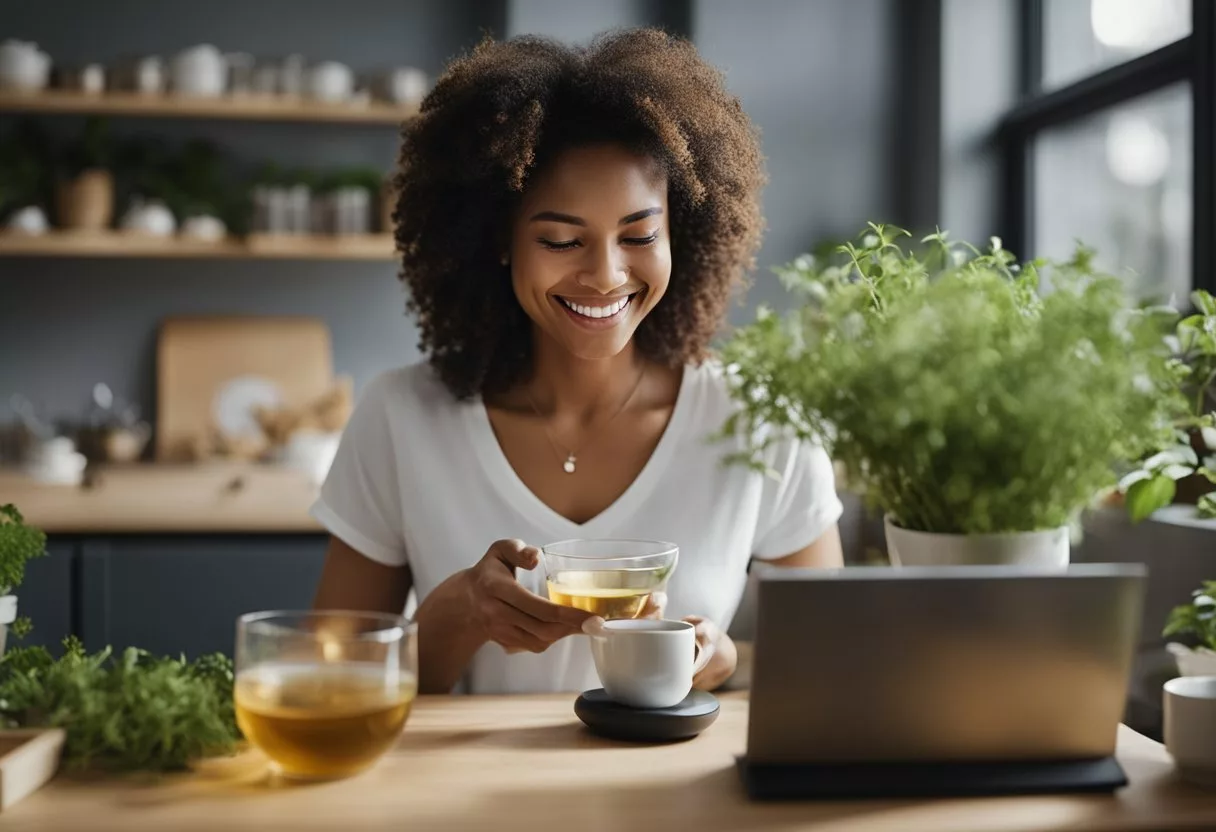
x: 1190, y: 727
x: 645, y: 663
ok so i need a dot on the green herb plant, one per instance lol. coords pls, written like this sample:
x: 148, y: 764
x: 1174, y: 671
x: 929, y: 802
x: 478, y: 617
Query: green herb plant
x: 1198, y: 618
x: 25, y: 163
x: 960, y: 391
x: 1189, y: 451
x: 19, y: 544
x: 129, y: 712
x: 92, y: 149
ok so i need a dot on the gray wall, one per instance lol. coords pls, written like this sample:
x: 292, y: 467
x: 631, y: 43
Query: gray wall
x: 818, y: 78
x: 816, y: 75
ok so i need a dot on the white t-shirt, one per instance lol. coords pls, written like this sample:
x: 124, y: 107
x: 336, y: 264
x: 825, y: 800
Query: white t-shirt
x: 419, y: 478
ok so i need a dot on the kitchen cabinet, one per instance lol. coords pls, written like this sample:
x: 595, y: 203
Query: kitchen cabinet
x: 169, y: 594
x: 45, y: 596
x: 173, y: 594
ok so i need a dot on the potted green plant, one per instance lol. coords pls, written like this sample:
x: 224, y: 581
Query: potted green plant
x: 19, y: 544
x: 23, y: 178
x: 1182, y: 469
x: 84, y: 194
x: 1196, y: 619
x: 977, y: 412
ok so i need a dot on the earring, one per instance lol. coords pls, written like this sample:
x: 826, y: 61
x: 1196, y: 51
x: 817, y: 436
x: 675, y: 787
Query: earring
x: 506, y: 259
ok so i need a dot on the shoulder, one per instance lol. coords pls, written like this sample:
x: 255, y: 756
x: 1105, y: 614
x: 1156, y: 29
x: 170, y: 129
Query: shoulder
x: 712, y: 401
x: 708, y: 386
x: 414, y: 388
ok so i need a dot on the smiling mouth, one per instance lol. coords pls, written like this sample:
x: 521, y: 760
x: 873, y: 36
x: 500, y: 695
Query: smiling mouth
x: 600, y: 312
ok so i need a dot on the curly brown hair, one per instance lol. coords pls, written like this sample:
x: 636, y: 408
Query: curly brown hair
x: 499, y: 114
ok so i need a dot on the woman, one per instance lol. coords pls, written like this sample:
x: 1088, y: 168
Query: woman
x: 572, y: 224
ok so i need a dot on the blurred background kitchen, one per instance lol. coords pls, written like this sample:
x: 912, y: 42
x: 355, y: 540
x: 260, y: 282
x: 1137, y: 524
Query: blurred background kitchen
x: 197, y: 275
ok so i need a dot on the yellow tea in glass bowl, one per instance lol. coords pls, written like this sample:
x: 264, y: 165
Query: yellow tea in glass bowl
x: 609, y: 578
x: 324, y: 694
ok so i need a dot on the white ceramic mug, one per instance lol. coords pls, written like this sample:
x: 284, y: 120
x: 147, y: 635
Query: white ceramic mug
x: 1190, y: 727
x: 644, y: 663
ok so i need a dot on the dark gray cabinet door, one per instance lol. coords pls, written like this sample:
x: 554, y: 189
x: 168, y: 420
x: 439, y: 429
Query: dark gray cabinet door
x: 173, y: 594
x: 45, y: 596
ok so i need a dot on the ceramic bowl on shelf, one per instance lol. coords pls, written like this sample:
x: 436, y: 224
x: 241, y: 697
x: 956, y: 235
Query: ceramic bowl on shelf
x: 331, y: 82
x: 28, y: 220
x: 23, y: 66
x: 199, y: 72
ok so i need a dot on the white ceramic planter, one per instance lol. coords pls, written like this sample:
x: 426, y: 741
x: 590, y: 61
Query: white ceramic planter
x: 8, y: 614
x: 1193, y: 661
x: 1047, y: 548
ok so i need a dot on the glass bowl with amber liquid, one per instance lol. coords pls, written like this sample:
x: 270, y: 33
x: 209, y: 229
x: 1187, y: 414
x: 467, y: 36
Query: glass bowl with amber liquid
x: 609, y: 578
x: 324, y: 694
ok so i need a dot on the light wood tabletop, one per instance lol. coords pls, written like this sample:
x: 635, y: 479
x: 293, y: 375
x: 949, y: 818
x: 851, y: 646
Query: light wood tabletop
x: 526, y: 763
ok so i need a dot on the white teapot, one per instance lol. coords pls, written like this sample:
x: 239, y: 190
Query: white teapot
x: 200, y: 71
x: 331, y: 82
x: 149, y: 217
x: 23, y: 66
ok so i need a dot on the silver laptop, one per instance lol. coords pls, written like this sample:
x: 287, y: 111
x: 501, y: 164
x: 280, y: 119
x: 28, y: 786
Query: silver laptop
x: 949, y: 664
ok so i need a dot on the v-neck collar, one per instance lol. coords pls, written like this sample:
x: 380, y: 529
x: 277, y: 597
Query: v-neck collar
x: 498, y: 468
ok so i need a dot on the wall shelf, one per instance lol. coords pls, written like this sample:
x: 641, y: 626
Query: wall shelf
x: 255, y: 246
x: 248, y: 108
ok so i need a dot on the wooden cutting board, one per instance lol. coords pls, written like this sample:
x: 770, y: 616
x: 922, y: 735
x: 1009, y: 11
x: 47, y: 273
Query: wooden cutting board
x: 212, y: 370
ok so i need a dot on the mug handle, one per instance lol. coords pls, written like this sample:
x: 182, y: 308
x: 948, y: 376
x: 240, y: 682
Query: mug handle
x: 702, y: 657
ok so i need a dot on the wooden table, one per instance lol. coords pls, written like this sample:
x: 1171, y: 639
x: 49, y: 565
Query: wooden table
x: 525, y: 763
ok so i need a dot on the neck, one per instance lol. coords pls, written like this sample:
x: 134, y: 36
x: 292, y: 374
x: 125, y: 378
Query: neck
x: 582, y: 389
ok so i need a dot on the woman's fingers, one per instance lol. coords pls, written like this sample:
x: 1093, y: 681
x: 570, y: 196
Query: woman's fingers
x: 510, y: 592
x: 656, y: 603
x: 515, y: 554
x: 546, y: 631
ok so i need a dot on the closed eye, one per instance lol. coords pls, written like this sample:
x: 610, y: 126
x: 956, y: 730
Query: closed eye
x: 558, y: 245
x: 566, y: 245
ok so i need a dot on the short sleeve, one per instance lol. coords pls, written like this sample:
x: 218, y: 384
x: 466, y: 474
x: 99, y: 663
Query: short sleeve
x: 800, y: 503
x: 360, y: 500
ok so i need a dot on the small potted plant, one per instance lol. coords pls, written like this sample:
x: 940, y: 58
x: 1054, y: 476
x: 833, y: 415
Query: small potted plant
x: 84, y: 194
x: 19, y: 544
x: 23, y: 179
x: 1182, y: 469
x: 978, y: 413
x: 1196, y: 619
x: 202, y: 195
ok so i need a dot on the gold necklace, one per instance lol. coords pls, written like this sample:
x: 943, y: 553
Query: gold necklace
x: 570, y: 460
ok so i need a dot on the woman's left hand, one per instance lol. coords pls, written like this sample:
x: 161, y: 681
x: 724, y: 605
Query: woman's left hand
x: 722, y: 664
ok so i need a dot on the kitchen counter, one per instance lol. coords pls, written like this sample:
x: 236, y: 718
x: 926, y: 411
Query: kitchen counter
x: 526, y: 763
x: 204, y: 497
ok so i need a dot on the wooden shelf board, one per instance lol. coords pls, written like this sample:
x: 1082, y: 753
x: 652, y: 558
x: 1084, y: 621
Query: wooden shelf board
x: 245, y: 108
x: 203, y: 497
x: 255, y: 246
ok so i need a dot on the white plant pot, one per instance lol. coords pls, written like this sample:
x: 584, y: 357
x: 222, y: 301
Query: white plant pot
x: 8, y: 614
x: 1199, y: 661
x: 1047, y: 548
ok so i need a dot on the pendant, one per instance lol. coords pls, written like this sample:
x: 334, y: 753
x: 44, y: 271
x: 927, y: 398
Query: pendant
x: 568, y: 465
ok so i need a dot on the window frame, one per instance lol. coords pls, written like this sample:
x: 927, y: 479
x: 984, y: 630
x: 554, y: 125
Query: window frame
x: 1191, y: 60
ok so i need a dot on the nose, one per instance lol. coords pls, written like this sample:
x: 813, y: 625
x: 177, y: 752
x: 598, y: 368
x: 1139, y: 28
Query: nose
x: 604, y: 271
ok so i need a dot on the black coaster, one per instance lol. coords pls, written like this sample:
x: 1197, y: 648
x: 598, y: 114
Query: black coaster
x: 822, y: 781
x: 620, y: 722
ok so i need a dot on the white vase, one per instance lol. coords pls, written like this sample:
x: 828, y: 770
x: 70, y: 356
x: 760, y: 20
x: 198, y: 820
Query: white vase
x: 1193, y: 661
x: 8, y: 614
x: 1049, y: 548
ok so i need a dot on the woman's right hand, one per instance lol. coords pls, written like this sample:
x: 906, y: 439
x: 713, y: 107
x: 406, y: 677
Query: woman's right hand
x: 507, y: 613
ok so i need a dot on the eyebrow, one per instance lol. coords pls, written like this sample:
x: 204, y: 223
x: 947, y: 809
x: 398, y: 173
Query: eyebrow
x: 569, y: 219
